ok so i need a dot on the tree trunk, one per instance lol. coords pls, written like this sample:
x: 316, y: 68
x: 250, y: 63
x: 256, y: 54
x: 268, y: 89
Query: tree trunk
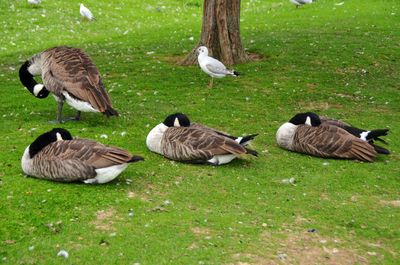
x: 220, y: 33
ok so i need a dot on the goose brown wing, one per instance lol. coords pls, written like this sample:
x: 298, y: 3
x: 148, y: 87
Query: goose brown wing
x: 331, y: 141
x: 87, y: 152
x: 210, y: 130
x: 72, y: 70
x: 328, y: 121
x: 188, y: 144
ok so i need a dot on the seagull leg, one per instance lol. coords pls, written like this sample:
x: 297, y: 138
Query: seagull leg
x: 210, y: 85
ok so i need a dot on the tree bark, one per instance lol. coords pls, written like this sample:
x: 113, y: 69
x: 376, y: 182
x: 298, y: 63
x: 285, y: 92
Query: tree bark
x: 220, y: 33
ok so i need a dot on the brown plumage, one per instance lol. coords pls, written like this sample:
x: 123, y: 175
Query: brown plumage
x: 331, y: 141
x: 191, y: 144
x: 70, y: 75
x: 55, y: 155
x: 329, y: 121
x: 307, y: 133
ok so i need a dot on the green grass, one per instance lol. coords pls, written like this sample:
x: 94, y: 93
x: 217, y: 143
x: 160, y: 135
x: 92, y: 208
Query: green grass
x: 341, y: 61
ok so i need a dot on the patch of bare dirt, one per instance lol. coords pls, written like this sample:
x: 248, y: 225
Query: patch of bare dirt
x: 104, y: 220
x: 395, y: 203
x: 305, y: 248
x: 202, y: 231
x: 256, y: 56
x: 319, y: 105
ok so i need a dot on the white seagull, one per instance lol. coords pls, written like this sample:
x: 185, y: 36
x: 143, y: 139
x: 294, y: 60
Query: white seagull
x: 34, y: 2
x: 85, y: 12
x: 300, y: 2
x: 211, y: 66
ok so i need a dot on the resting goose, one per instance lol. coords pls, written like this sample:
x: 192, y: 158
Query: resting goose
x: 211, y: 66
x: 71, y: 76
x: 305, y: 134
x: 176, y: 139
x: 56, y: 156
x: 368, y: 136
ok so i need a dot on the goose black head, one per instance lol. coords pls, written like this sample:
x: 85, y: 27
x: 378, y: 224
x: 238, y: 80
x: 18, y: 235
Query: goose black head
x: 26, y: 78
x: 57, y: 134
x: 307, y: 118
x: 177, y: 120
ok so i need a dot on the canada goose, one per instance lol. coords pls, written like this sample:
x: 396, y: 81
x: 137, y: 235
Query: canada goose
x: 56, y: 156
x: 71, y: 76
x: 177, y: 140
x: 368, y: 136
x: 85, y: 12
x: 305, y: 134
x: 211, y: 66
x: 298, y: 3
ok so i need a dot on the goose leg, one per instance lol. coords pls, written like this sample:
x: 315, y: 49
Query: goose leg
x: 78, y: 116
x: 59, y: 110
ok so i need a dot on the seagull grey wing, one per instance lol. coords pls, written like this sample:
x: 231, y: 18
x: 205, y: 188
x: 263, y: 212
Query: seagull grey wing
x: 186, y: 144
x: 215, y: 69
x: 72, y: 70
x: 338, y: 123
x: 331, y: 141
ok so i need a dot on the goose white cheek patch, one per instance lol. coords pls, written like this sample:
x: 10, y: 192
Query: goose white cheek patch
x: 176, y: 123
x: 59, y: 138
x: 308, y: 121
x: 37, y: 88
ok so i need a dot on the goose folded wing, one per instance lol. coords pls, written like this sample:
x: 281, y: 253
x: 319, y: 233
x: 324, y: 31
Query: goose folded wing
x: 76, y: 74
x: 331, y: 141
x: 338, y: 123
x: 189, y: 144
x: 210, y: 130
x: 89, y: 152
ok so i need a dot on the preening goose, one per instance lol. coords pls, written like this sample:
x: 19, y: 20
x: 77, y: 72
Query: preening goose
x: 177, y: 140
x: 367, y: 135
x: 71, y: 76
x: 305, y: 134
x: 56, y: 156
x: 211, y: 66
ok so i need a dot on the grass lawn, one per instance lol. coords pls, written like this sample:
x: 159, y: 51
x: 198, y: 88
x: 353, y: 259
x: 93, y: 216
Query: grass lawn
x: 338, y: 60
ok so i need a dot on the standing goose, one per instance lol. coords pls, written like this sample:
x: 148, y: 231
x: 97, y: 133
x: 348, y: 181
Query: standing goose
x: 368, y: 136
x: 211, y: 66
x: 71, y: 76
x: 177, y: 140
x: 56, y: 156
x: 305, y: 134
